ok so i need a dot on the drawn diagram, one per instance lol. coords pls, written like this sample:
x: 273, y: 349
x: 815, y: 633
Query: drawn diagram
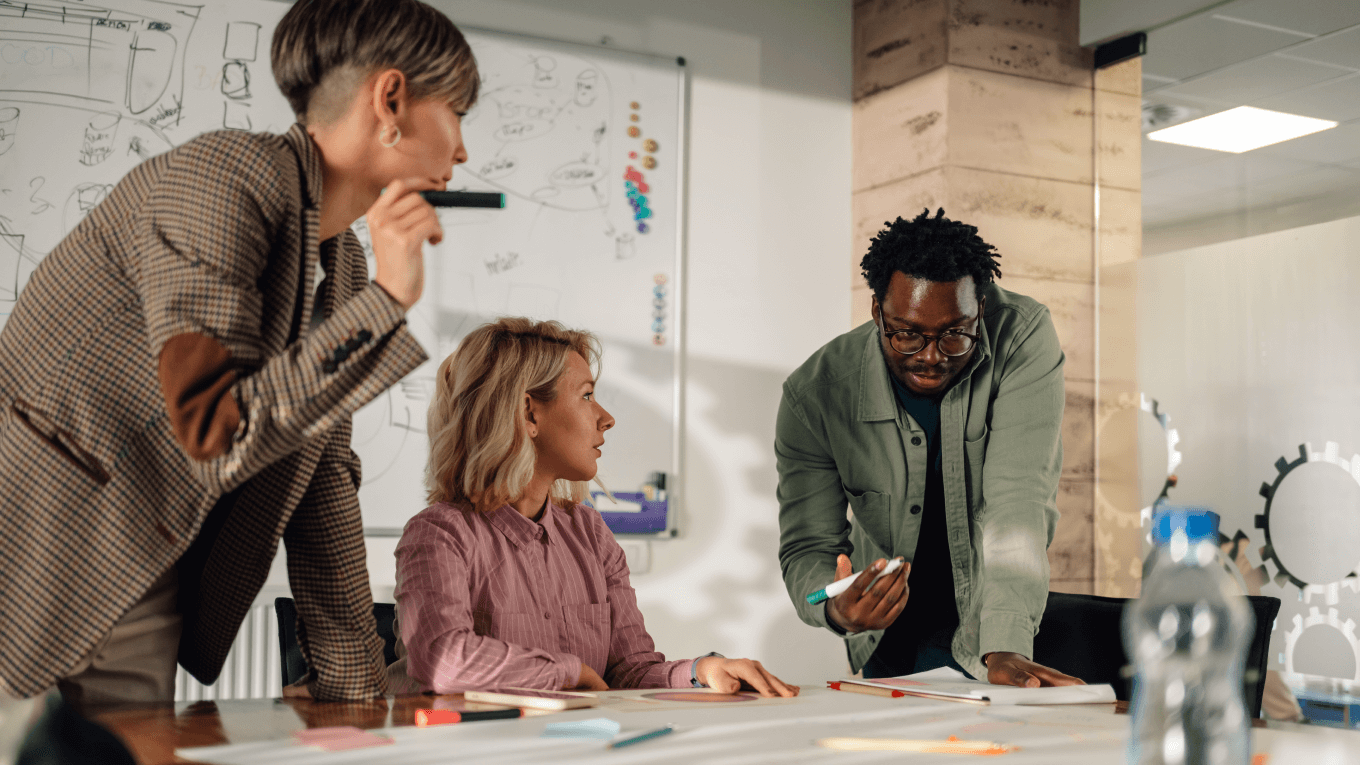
x: 542, y: 125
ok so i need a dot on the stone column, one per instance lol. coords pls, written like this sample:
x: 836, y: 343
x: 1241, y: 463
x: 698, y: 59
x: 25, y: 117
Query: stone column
x: 991, y: 110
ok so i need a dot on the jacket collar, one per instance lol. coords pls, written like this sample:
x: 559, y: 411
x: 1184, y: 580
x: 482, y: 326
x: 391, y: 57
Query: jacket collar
x: 877, y: 400
x: 309, y: 161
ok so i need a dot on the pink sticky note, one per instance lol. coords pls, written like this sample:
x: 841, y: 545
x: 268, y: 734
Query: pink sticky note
x: 341, y: 738
x: 315, y: 735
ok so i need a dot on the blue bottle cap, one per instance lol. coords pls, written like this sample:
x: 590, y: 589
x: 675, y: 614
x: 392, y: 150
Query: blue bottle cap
x: 1198, y: 523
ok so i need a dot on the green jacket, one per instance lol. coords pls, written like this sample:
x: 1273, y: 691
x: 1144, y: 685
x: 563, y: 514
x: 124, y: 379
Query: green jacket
x: 842, y: 437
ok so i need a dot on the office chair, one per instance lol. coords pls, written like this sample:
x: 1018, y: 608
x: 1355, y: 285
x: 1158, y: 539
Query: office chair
x: 291, y: 663
x: 1081, y: 635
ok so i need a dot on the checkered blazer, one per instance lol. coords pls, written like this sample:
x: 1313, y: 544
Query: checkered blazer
x: 165, y: 398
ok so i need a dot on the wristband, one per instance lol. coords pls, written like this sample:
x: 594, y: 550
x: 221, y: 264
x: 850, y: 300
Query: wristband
x: 694, y: 669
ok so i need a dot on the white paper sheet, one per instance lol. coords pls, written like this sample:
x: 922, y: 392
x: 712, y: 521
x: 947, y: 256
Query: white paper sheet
x: 949, y: 683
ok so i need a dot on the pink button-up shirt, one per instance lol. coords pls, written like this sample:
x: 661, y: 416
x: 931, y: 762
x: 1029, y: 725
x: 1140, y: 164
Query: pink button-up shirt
x: 488, y: 600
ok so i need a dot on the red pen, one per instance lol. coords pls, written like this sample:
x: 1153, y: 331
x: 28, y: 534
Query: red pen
x: 867, y: 690
x: 425, y: 717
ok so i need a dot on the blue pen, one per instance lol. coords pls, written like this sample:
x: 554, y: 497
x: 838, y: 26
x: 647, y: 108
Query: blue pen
x: 640, y: 737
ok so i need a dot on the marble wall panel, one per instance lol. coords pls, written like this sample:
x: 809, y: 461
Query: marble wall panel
x: 1070, y: 305
x: 1078, y: 431
x: 1121, y: 226
x: 900, y: 132
x: 1018, y: 125
x: 1121, y: 139
x: 1071, y: 556
x: 871, y: 209
x: 1041, y: 227
x: 1019, y: 37
x: 896, y: 40
x: 1125, y: 77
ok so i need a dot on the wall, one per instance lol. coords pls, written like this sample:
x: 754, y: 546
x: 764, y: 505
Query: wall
x: 1248, y: 346
x: 768, y: 232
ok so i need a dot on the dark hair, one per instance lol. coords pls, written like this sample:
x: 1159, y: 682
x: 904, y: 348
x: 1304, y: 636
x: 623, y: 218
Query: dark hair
x: 320, y: 38
x: 937, y: 249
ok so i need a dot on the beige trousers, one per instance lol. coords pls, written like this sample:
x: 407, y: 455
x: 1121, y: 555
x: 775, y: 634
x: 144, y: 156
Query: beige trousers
x: 136, y: 661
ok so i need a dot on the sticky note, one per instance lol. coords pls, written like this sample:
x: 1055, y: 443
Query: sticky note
x: 595, y: 728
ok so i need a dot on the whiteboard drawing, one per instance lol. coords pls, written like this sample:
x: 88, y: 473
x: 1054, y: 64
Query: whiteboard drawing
x: 89, y: 90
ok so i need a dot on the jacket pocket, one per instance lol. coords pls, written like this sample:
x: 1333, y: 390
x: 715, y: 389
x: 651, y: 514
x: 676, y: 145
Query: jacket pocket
x: 51, y: 439
x: 975, y: 453
x: 872, y: 515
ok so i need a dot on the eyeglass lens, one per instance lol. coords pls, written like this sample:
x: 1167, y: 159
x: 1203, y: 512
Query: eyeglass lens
x: 950, y: 344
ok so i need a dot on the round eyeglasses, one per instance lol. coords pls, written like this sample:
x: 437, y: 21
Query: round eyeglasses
x: 909, y: 342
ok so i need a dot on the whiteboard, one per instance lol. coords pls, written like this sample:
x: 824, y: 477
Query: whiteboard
x: 586, y: 143
x: 590, y: 235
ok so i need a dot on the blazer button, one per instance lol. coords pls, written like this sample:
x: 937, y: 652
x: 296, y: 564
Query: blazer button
x: 915, y: 509
x: 915, y: 440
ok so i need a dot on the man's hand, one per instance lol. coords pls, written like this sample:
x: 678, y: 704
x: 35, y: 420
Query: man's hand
x: 297, y: 690
x: 731, y: 675
x: 1006, y: 668
x: 399, y: 224
x: 589, y: 681
x: 856, y: 610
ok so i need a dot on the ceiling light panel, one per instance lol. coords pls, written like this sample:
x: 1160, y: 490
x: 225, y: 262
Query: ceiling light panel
x: 1241, y: 129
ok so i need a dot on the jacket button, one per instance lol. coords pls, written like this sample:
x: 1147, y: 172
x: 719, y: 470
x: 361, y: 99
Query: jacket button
x: 915, y: 509
x: 915, y: 440
x: 365, y: 336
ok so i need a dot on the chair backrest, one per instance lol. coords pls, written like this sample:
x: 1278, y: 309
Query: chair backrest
x: 1081, y: 635
x: 291, y: 663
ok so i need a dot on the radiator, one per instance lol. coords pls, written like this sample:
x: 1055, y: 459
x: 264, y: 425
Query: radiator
x: 252, y: 670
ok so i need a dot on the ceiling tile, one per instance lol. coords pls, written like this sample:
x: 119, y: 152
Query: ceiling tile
x: 1202, y: 43
x: 1158, y: 156
x: 1256, y: 79
x: 1341, y: 49
x: 1330, y: 147
x: 1334, y: 100
x: 1316, y: 17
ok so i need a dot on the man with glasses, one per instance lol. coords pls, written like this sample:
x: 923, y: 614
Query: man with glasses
x: 939, y: 424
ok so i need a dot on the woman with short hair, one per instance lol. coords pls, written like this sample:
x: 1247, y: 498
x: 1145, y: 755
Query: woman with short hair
x: 508, y: 579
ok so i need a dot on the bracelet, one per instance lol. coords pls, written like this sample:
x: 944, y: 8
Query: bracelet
x: 694, y: 669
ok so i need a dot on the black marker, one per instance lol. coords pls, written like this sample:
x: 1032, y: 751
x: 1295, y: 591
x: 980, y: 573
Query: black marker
x: 493, y: 199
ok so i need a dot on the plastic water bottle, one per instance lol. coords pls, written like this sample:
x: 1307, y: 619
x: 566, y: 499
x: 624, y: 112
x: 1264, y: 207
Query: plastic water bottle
x: 1187, y: 637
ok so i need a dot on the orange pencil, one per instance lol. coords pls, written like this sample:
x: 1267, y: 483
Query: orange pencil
x: 867, y: 690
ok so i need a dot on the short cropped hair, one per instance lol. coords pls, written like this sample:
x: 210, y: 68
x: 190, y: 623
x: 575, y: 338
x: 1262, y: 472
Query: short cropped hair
x: 480, y: 450
x: 330, y: 46
x: 936, y: 249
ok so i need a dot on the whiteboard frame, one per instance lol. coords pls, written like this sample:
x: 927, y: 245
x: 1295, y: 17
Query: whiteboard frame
x: 674, y: 492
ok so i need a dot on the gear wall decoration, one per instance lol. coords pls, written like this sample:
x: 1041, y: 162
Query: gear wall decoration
x: 1330, y: 454
x: 1316, y: 619
x: 1173, y: 460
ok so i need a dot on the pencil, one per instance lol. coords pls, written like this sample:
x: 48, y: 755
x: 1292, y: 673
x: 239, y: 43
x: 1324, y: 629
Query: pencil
x: 867, y: 690
x: 951, y: 746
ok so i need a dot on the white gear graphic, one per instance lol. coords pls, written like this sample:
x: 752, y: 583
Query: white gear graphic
x: 1316, y: 619
x: 1329, y: 454
x: 1173, y: 456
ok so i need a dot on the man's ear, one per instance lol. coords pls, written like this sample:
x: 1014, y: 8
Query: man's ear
x: 873, y: 308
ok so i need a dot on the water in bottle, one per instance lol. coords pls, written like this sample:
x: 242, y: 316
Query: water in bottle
x: 1187, y: 636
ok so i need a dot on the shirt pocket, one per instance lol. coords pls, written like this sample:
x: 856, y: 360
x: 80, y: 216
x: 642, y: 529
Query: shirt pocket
x: 871, y: 511
x: 587, y: 633
x: 975, y: 453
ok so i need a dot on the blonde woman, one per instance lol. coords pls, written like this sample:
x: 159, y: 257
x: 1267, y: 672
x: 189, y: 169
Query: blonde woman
x: 507, y: 579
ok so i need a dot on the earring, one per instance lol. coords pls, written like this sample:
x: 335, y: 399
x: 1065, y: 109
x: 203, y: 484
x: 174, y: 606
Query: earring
x: 395, y: 138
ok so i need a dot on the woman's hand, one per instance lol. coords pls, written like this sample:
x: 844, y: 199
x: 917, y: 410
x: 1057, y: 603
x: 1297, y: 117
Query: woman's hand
x: 732, y: 675
x: 1006, y: 668
x: 589, y: 680
x: 863, y: 607
x: 399, y: 223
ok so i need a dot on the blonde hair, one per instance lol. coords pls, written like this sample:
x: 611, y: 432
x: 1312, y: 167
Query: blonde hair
x: 480, y: 450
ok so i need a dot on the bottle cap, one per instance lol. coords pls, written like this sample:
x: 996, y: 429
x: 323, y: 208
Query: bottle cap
x: 1198, y: 523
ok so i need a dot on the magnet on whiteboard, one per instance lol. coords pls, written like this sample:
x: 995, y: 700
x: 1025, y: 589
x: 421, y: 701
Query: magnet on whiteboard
x: 660, y: 279
x: 642, y: 228
x: 633, y: 105
x: 633, y: 131
x: 650, y: 144
x: 658, y: 339
x: 649, y: 163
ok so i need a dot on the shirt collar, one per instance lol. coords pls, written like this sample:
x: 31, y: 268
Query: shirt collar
x: 309, y: 161
x: 520, y: 530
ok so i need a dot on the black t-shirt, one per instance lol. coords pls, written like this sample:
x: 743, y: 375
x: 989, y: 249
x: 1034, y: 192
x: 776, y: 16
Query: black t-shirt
x: 931, y: 615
